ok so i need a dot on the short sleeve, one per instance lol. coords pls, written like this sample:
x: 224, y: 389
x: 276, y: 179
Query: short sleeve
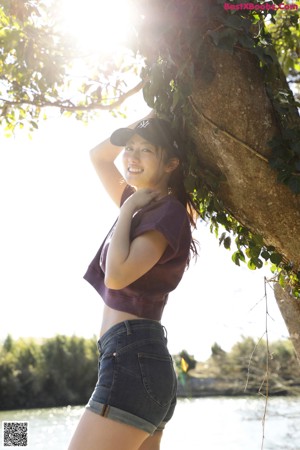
x: 169, y: 217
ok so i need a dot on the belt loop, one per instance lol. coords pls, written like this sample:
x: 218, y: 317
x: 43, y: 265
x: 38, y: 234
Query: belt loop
x: 128, y: 329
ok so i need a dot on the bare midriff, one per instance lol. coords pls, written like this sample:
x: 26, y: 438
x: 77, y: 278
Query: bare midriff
x: 112, y: 317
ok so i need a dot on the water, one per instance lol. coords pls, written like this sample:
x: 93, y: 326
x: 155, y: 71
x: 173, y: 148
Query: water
x: 199, y: 424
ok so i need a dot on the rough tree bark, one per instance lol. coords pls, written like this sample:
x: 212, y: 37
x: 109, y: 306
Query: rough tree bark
x: 290, y: 311
x: 232, y: 122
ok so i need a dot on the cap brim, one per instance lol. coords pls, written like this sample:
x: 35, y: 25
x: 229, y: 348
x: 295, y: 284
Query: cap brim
x: 121, y: 136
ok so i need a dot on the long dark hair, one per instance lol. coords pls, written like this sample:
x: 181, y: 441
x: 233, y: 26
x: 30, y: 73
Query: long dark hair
x: 177, y: 188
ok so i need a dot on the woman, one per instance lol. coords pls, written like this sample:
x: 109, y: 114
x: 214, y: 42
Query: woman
x: 141, y: 260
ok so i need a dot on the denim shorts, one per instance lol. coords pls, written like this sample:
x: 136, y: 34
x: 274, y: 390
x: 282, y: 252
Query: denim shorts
x: 136, y: 379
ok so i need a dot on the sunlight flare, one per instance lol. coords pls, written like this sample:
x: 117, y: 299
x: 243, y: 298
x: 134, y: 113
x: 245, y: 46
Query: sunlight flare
x: 97, y: 25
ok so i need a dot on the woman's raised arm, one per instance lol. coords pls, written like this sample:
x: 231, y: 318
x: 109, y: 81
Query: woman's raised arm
x: 103, y: 157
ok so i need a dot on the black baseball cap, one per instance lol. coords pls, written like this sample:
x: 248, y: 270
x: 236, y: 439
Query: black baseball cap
x: 157, y: 131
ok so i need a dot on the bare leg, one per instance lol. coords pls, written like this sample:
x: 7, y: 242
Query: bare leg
x: 95, y: 432
x: 152, y: 442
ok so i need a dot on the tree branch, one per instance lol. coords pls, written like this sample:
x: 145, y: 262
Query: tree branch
x: 67, y: 105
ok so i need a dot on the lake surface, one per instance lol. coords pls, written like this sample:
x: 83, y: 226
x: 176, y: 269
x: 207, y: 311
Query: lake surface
x: 220, y: 423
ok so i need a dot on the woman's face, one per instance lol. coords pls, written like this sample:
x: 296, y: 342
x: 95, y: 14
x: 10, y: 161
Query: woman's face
x: 144, y: 165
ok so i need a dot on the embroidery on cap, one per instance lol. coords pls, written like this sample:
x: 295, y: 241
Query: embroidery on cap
x: 144, y: 124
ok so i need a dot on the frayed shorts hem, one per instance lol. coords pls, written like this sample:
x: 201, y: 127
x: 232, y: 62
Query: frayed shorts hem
x: 121, y: 416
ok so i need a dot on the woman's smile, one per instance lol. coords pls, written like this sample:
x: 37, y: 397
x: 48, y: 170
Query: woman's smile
x: 135, y: 170
x: 143, y: 164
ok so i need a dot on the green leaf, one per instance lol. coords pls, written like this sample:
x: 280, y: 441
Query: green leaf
x: 281, y: 279
x: 255, y: 263
x: 251, y: 265
x: 255, y: 252
x: 258, y: 263
x: 227, y: 242
x: 34, y: 124
x: 237, y: 257
x: 270, y: 248
x: 258, y: 239
x: 265, y: 254
x: 222, y: 237
x: 276, y: 258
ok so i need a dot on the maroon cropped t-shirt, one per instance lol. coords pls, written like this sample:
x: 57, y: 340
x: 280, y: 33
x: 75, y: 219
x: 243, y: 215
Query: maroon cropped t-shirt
x: 147, y: 296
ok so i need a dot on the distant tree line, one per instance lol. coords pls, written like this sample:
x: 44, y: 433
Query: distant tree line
x: 54, y: 372
x: 249, y: 368
x: 62, y: 370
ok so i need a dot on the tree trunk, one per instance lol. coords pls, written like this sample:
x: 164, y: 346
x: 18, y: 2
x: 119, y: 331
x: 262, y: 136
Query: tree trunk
x: 233, y: 121
x: 290, y: 311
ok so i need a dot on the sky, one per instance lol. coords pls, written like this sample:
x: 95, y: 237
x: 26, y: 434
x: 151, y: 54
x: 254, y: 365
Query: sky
x: 54, y: 216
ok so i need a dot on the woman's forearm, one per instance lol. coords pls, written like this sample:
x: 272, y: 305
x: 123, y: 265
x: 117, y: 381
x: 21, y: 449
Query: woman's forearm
x: 119, y: 263
x: 105, y: 152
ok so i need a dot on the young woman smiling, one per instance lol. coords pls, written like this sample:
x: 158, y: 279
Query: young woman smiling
x: 139, y: 263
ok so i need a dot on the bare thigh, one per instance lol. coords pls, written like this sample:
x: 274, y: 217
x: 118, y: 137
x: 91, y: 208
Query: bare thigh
x: 95, y: 432
x: 152, y: 442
